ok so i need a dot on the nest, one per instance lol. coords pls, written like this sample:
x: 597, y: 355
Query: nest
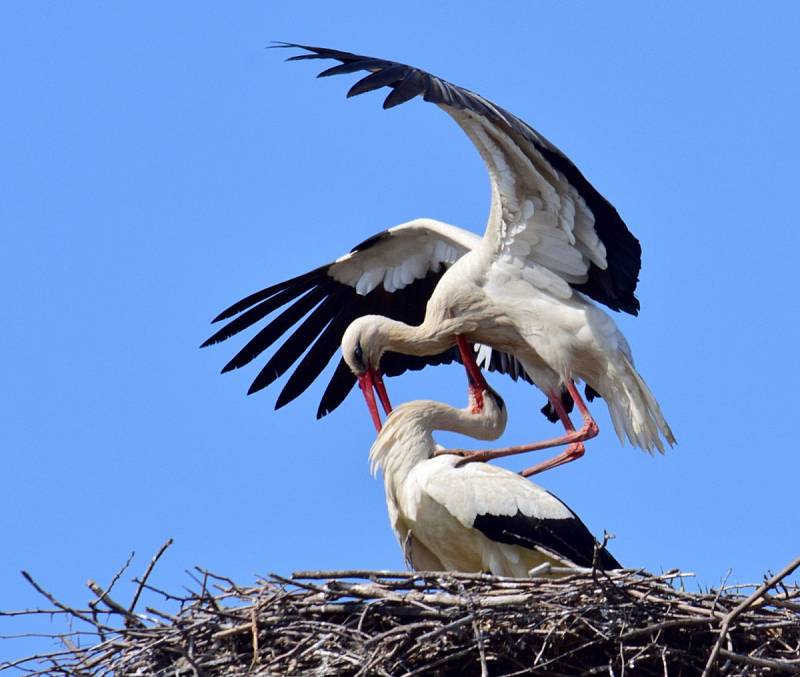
x: 432, y: 623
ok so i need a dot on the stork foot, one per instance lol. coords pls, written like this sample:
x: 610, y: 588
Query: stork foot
x: 572, y: 453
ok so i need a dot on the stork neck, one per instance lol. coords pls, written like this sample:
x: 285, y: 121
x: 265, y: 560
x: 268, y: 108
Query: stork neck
x: 427, y: 338
x: 407, y: 436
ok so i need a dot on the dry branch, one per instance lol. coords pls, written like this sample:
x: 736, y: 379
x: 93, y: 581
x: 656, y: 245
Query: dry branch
x: 422, y: 623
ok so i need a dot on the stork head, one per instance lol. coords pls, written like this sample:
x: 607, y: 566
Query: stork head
x: 363, y: 345
x: 487, y: 408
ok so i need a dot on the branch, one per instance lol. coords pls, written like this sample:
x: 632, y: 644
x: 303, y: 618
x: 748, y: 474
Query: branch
x: 726, y: 622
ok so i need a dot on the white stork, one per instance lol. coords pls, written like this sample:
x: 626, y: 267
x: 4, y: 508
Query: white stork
x: 551, y: 241
x: 475, y: 517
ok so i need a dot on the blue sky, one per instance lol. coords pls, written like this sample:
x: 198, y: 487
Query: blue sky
x: 158, y: 163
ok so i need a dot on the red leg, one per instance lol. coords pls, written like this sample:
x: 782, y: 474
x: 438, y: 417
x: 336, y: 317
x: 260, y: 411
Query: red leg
x: 576, y: 449
x: 476, y: 382
x: 572, y: 453
x: 588, y: 421
x: 563, y: 416
x: 474, y: 373
x: 573, y: 437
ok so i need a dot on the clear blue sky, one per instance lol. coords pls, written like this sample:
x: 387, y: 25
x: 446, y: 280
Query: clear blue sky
x: 158, y: 163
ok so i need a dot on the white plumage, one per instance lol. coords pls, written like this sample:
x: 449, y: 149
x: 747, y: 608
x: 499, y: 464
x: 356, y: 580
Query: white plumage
x: 476, y: 517
x: 552, y: 243
x: 517, y: 305
x: 405, y: 253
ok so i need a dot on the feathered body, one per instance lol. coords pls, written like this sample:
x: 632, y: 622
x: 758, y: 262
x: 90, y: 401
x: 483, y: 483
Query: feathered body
x: 555, y: 333
x: 551, y: 243
x: 477, y: 517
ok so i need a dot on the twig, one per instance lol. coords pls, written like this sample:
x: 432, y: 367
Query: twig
x: 388, y: 623
x: 254, y: 626
x: 147, y: 572
x: 55, y: 602
x: 726, y: 622
x: 761, y: 662
x: 119, y: 573
x: 104, y: 597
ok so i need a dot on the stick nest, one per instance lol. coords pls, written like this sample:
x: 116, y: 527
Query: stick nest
x: 417, y: 623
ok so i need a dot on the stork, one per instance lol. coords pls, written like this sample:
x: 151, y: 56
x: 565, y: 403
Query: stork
x: 552, y: 243
x: 476, y: 517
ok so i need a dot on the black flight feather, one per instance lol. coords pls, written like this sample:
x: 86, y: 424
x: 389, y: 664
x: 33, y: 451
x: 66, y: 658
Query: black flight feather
x: 263, y: 294
x: 297, y: 343
x: 613, y: 286
x: 260, y: 311
x: 567, y: 537
x: 276, y: 328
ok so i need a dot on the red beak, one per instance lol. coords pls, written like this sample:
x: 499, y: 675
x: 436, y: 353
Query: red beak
x: 381, y: 390
x: 370, y: 382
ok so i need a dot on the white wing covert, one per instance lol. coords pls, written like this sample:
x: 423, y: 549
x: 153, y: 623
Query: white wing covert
x: 400, y: 255
x: 483, y: 489
x: 392, y: 274
x: 539, y: 226
x: 544, y: 210
x: 507, y: 508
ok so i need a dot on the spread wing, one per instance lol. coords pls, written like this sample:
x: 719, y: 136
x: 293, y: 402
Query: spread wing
x: 544, y: 211
x: 392, y: 274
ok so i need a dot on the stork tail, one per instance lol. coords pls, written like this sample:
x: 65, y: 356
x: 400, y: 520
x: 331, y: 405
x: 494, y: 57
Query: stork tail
x: 634, y: 410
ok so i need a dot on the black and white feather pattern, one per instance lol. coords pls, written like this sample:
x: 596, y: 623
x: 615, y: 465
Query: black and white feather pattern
x: 568, y: 537
x: 473, y: 517
x: 380, y: 277
x: 392, y: 274
x: 612, y: 268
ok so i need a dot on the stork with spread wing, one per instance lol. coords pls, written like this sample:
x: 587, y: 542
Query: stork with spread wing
x: 407, y: 296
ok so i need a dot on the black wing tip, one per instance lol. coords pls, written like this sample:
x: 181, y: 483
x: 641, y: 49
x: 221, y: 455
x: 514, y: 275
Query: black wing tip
x: 254, y: 388
x: 225, y: 314
x: 605, y: 560
x: 632, y: 308
x: 241, y: 305
x: 407, y: 82
x: 283, y: 398
x: 218, y: 337
x: 280, y: 44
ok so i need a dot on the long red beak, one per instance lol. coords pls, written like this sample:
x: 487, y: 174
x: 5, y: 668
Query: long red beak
x: 370, y: 382
x: 382, y: 394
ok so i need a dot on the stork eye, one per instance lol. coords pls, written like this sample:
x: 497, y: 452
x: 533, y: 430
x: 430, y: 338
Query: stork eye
x: 359, y: 353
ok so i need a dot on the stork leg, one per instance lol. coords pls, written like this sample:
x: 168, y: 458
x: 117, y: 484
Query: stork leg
x: 575, y: 450
x: 477, y: 382
x: 574, y: 438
